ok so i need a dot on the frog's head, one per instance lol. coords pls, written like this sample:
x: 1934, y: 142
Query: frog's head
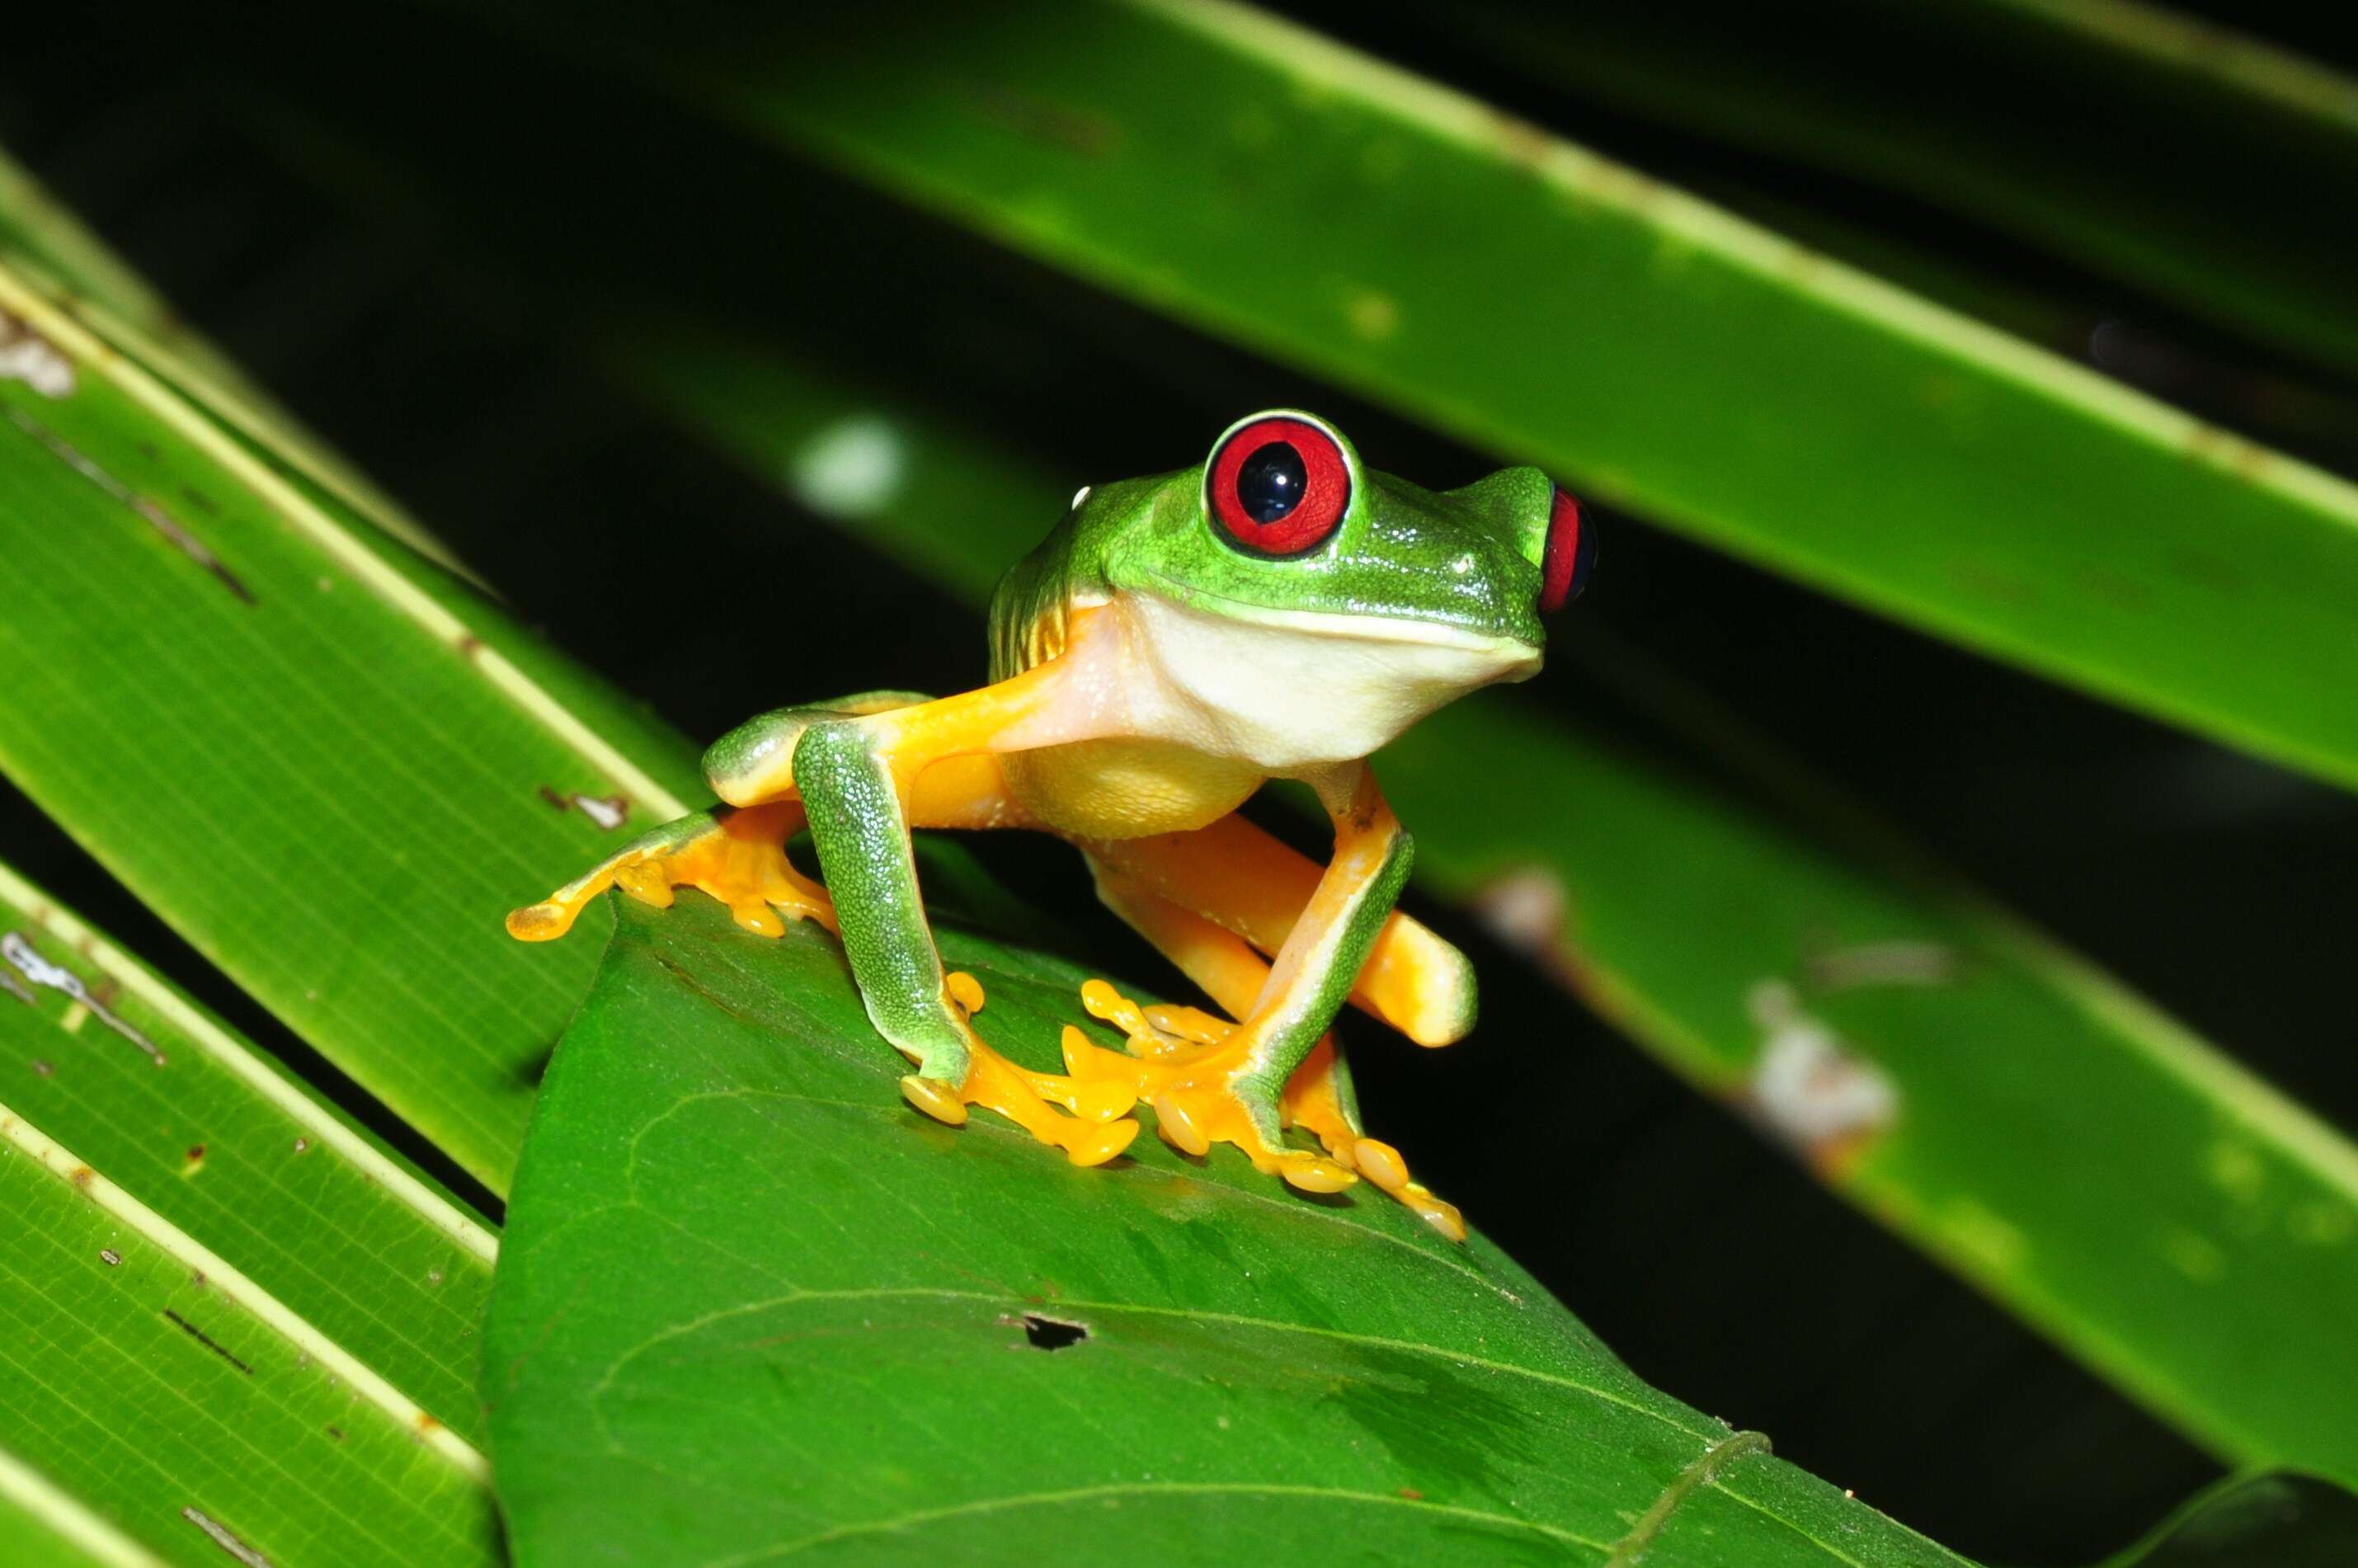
x: 1281, y: 530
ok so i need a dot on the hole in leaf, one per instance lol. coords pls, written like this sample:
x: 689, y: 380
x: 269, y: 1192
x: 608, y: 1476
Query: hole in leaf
x: 1047, y: 1334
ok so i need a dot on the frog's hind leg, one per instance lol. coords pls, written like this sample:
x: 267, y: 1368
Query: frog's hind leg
x: 736, y: 854
x: 1245, y: 881
x: 1172, y: 1049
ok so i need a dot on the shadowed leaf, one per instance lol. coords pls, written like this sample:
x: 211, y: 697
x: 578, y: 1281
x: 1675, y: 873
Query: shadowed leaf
x: 2254, y: 1522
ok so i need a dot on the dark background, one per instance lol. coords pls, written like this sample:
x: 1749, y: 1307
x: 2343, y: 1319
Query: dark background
x: 361, y: 213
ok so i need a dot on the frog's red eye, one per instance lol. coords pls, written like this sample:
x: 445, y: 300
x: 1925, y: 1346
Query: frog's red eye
x: 1279, y: 485
x: 1571, y: 551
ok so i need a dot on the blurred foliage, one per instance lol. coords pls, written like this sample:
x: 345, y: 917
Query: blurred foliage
x: 2127, y: 143
x: 2254, y: 1522
x: 1737, y: 385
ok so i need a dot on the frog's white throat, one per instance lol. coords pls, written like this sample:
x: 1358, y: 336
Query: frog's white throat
x: 1288, y: 691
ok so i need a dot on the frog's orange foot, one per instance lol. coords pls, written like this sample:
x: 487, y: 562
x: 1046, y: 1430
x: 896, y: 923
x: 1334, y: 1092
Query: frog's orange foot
x: 1314, y: 1102
x: 1189, y: 1065
x: 1097, y: 1129
x: 738, y: 857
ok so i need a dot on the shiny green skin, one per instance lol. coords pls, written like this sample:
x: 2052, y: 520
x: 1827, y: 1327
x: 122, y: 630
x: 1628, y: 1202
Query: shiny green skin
x: 1469, y: 558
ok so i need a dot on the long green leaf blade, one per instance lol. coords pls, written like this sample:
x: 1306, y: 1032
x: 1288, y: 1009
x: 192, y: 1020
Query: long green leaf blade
x: 2184, y: 1228
x: 146, y: 1378
x: 47, y: 242
x: 753, y: 1308
x: 199, y: 1127
x: 1542, y: 302
x: 2145, y: 145
x: 330, y: 765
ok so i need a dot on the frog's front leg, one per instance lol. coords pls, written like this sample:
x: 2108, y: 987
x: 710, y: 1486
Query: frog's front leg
x: 855, y: 777
x: 736, y: 854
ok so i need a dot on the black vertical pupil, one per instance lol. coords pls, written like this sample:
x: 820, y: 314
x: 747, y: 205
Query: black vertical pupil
x: 1271, y: 482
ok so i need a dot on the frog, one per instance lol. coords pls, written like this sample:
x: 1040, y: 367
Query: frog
x: 1278, y: 612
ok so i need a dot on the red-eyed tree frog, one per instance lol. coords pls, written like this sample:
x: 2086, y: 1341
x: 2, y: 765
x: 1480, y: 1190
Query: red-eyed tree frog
x: 1277, y: 612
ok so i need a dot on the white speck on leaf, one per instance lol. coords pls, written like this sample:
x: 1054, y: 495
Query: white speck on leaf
x: 224, y: 1538
x: 1807, y: 1087
x: 22, y: 956
x: 28, y: 357
x: 854, y: 468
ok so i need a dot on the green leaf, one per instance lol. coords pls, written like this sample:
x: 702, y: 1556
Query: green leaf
x: 230, y: 1315
x: 217, y: 1141
x: 2145, y: 145
x: 2161, y: 1211
x: 2178, y: 1224
x: 346, y: 847
x: 752, y: 1306
x: 42, y: 1527
x: 190, y: 1408
x: 2254, y: 1522
x: 1519, y: 292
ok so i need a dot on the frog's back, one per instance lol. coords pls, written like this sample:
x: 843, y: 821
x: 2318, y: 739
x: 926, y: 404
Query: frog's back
x: 1114, y: 788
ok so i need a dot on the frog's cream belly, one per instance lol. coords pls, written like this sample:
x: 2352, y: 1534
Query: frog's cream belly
x: 1127, y: 789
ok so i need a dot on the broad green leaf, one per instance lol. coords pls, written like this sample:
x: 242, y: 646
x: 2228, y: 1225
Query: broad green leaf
x: 2254, y: 1522
x: 2161, y: 1212
x: 2138, y: 142
x: 752, y: 1307
x: 1540, y: 301
x: 196, y: 1124
x: 328, y: 765
x: 145, y: 1378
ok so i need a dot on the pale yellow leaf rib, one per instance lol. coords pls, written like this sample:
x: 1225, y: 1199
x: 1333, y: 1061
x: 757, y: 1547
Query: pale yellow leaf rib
x: 328, y: 1132
x: 66, y: 1515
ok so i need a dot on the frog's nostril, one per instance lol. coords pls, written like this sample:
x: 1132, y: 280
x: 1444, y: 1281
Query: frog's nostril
x: 1571, y: 552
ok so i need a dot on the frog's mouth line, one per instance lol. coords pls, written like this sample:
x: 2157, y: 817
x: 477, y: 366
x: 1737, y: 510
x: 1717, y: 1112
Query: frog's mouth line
x: 1396, y: 629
